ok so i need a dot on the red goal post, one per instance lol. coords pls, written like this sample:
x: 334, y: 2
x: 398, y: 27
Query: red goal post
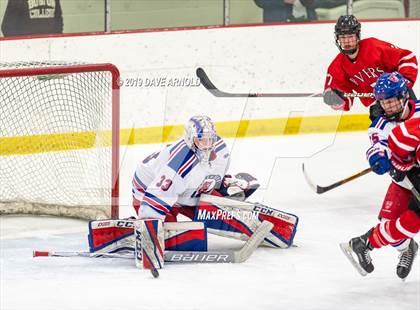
x: 59, y: 139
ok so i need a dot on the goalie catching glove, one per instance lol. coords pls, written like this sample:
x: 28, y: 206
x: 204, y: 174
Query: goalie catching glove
x: 239, y: 186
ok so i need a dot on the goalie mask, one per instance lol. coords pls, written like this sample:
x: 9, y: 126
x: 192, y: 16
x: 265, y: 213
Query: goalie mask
x: 347, y: 25
x: 200, y: 136
x: 391, y: 92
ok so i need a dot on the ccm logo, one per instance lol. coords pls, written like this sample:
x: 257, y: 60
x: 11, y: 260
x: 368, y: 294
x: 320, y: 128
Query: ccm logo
x: 200, y: 258
x: 125, y: 224
x: 271, y: 212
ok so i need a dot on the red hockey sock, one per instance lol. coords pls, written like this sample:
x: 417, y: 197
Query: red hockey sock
x: 404, y: 227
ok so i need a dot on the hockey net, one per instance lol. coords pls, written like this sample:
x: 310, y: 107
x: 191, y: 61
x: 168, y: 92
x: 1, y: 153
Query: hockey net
x: 59, y: 139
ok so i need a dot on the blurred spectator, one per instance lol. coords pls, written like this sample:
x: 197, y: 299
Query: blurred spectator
x: 282, y: 10
x: 27, y: 17
x: 309, y: 6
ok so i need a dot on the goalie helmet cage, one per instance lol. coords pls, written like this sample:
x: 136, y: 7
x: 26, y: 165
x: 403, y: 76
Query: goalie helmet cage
x: 59, y: 139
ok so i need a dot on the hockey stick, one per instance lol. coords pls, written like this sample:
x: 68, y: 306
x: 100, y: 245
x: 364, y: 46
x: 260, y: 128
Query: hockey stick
x: 184, y: 257
x: 38, y: 253
x: 415, y: 192
x: 322, y: 189
x: 205, y: 81
x: 169, y: 256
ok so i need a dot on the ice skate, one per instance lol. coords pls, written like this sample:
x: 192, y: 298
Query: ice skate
x: 360, y: 247
x: 406, y: 259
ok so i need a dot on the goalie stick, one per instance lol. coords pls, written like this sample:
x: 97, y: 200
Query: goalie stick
x: 322, y: 189
x: 183, y: 257
x: 205, y: 81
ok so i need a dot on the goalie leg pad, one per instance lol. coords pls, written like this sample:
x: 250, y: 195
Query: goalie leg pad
x: 238, y: 219
x: 185, y: 236
x: 150, y: 243
x: 111, y: 236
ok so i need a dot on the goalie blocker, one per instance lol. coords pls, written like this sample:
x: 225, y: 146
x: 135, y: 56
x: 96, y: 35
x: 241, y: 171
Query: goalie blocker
x: 149, y: 245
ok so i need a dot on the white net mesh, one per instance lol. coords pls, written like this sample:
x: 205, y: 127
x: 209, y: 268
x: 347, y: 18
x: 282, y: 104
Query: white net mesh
x: 56, y: 141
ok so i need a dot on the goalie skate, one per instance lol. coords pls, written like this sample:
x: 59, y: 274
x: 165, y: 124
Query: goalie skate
x: 345, y: 247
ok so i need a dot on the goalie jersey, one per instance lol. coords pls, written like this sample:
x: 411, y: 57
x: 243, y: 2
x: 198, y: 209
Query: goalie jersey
x: 175, y: 175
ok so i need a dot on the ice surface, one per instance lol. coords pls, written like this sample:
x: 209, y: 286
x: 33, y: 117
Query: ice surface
x: 313, y: 275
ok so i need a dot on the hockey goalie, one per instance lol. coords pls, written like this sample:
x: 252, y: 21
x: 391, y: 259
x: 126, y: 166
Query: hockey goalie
x: 189, y: 177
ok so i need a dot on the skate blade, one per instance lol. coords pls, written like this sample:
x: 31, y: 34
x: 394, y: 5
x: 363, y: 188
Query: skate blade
x: 345, y: 247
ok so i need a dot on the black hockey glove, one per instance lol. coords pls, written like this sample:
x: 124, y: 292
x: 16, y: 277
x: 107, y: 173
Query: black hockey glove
x: 411, y: 94
x: 375, y: 110
x: 400, y: 167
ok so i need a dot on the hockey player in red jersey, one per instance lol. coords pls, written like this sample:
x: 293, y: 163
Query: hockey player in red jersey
x: 395, y: 140
x: 359, y: 64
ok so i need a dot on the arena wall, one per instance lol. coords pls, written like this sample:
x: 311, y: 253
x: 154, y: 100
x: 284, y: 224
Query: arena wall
x: 159, y: 89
